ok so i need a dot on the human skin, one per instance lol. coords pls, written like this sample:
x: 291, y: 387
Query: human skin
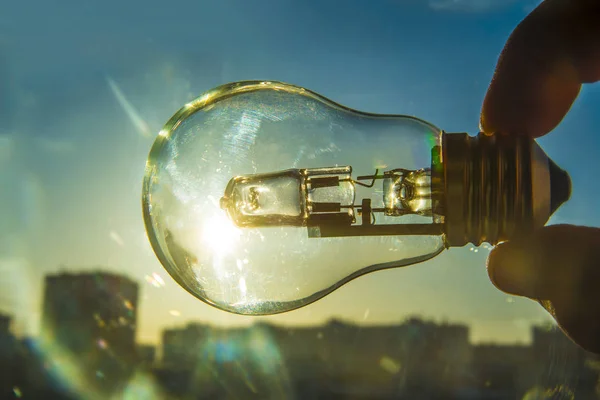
x: 539, y: 74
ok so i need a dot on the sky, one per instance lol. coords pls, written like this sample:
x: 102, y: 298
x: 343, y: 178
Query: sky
x: 86, y: 86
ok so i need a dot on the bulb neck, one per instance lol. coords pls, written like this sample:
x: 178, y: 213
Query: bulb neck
x: 496, y: 187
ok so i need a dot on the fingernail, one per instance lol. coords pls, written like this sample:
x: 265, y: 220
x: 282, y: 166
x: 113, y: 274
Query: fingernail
x: 512, y: 269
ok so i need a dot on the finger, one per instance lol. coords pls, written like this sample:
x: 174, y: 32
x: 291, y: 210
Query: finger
x: 560, y: 266
x: 549, y: 55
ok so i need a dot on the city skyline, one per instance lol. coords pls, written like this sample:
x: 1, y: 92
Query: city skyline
x: 88, y: 349
x: 58, y: 294
x: 156, y: 281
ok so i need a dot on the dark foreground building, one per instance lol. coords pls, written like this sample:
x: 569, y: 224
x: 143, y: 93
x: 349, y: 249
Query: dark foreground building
x: 89, y: 326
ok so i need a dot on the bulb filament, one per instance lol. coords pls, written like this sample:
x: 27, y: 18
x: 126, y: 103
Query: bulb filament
x: 324, y: 201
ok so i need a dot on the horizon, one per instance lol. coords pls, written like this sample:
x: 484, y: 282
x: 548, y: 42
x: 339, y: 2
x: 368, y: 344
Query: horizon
x: 254, y: 321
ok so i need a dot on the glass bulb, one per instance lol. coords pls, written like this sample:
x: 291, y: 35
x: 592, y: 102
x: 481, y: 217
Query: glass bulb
x: 237, y: 180
x: 262, y: 197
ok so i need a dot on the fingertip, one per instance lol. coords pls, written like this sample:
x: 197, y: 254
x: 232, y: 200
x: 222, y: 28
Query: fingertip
x: 538, y: 75
x: 492, y: 264
x: 550, y: 262
x: 510, y: 268
x: 484, y: 126
x: 530, y: 104
x: 557, y: 266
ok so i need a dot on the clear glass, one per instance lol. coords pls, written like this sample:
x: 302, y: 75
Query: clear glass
x: 257, y: 128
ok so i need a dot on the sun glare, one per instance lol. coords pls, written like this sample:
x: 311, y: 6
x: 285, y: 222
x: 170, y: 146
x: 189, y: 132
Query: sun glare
x: 220, y: 235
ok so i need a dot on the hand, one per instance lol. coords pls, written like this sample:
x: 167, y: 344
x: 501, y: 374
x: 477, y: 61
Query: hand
x: 549, y: 55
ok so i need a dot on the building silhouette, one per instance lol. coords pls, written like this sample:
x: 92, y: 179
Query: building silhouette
x: 87, y: 350
x: 415, y: 359
x: 180, y: 346
x: 5, y: 321
x: 411, y: 359
x: 89, y: 321
x: 8, y: 357
x: 502, y: 371
x: 146, y: 355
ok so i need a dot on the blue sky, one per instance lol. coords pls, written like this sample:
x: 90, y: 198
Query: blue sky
x: 72, y: 157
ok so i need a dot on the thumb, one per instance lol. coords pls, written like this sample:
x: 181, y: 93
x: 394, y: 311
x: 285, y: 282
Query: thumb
x: 560, y: 267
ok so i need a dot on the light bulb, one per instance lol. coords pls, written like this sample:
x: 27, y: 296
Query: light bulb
x: 262, y: 197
